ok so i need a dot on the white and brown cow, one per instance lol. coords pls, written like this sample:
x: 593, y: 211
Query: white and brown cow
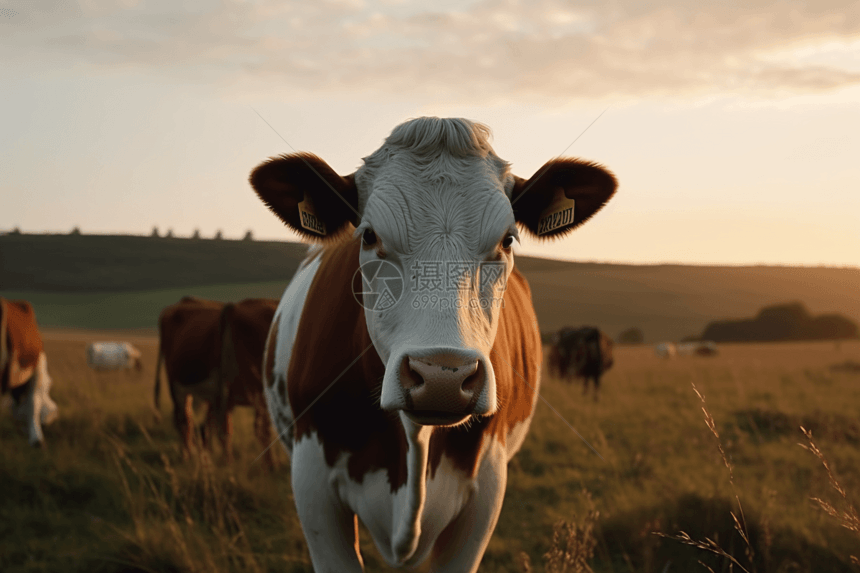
x: 24, y: 368
x: 404, y: 410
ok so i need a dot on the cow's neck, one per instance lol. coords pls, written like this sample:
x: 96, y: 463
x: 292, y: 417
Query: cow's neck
x: 407, y: 529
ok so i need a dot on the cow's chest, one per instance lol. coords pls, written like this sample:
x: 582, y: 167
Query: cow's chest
x: 390, y: 517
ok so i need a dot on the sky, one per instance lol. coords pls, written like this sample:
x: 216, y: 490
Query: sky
x: 734, y: 130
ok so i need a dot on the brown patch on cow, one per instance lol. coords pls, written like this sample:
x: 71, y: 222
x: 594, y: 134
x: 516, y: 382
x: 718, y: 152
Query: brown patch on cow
x: 348, y: 419
x: 22, y: 341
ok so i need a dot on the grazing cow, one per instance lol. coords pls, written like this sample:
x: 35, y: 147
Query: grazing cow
x: 403, y: 364
x: 213, y: 352
x: 113, y: 356
x: 24, y: 368
x: 665, y: 350
x: 584, y: 352
x: 697, y: 348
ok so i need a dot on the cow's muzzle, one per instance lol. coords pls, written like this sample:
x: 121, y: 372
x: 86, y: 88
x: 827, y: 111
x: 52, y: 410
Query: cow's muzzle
x: 441, y: 386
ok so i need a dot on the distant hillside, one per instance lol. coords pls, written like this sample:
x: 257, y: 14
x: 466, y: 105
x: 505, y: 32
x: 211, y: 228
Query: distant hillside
x: 111, y: 263
x: 69, y: 278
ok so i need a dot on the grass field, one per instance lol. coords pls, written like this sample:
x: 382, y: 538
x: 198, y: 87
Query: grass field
x: 110, y: 492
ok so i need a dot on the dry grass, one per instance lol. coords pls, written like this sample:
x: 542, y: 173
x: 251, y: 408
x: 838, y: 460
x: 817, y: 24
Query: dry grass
x: 740, y: 526
x: 572, y: 545
x: 193, y: 512
x: 847, y: 516
x: 111, y: 493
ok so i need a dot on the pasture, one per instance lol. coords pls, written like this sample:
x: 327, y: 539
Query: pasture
x: 110, y: 492
x: 118, y: 281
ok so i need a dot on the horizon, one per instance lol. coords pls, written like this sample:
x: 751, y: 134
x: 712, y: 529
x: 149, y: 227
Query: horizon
x: 549, y: 257
x: 731, y: 129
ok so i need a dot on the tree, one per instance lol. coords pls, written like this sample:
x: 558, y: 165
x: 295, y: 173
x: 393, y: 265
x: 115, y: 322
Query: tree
x: 196, y: 234
x: 154, y: 232
x: 76, y: 231
x: 248, y: 236
x: 15, y: 231
x: 169, y: 234
x: 218, y: 235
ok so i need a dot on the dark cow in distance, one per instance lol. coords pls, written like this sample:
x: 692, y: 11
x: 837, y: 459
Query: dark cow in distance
x: 213, y: 352
x: 24, y: 368
x: 584, y: 352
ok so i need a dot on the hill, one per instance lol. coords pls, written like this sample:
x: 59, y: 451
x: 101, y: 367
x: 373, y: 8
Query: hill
x: 116, y: 263
x: 123, y: 281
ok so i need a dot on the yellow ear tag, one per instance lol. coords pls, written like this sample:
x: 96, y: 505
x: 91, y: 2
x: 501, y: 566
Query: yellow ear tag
x: 558, y: 214
x: 308, y: 216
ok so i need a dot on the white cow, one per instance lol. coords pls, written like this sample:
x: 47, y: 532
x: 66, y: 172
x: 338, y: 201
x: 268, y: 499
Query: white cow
x: 665, y: 350
x: 113, y: 356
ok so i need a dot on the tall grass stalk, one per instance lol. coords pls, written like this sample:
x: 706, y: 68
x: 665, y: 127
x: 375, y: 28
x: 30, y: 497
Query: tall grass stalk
x: 708, y: 544
x: 848, y: 517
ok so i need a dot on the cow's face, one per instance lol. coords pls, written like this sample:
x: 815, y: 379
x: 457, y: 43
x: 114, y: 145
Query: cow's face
x: 437, y: 214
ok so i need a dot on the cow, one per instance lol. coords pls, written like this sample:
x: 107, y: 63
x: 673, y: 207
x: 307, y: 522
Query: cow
x: 697, y: 348
x: 584, y: 353
x: 24, y: 368
x: 665, y: 350
x: 113, y: 356
x: 403, y: 364
x: 213, y: 352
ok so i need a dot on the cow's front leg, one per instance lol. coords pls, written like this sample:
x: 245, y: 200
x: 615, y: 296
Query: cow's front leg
x: 48, y: 410
x: 183, y: 419
x: 460, y: 547
x: 328, y: 524
x: 31, y: 410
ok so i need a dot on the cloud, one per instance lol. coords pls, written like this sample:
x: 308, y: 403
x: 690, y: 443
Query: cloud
x: 545, y: 51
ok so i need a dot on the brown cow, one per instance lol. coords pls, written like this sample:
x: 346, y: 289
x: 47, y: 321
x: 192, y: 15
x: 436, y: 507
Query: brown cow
x: 24, y: 368
x: 213, y: 352
x: 581, y: 353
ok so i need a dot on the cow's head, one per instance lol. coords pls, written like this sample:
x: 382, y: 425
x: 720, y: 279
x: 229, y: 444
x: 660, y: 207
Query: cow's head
x: 437, y: 213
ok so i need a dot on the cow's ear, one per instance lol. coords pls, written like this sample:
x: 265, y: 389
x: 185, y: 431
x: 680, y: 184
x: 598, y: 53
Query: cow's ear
x: 307, y: 195
x: 561, y: 196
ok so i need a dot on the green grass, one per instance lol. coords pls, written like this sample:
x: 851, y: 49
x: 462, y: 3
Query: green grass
x: 130, y: 310
x: 111, y: 493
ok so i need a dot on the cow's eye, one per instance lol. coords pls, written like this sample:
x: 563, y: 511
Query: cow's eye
x: 368, y: 237
x: 507, y: 242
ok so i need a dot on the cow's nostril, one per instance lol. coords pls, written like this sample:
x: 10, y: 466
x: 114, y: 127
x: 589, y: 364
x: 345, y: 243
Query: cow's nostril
x: 409, y: 377
x: 473, y: 381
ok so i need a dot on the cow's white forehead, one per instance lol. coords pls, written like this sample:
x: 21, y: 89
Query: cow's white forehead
x: 436, y: 180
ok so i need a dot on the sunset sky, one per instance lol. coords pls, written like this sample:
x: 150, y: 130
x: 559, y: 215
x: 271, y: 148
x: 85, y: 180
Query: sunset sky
x: 734, y: 131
